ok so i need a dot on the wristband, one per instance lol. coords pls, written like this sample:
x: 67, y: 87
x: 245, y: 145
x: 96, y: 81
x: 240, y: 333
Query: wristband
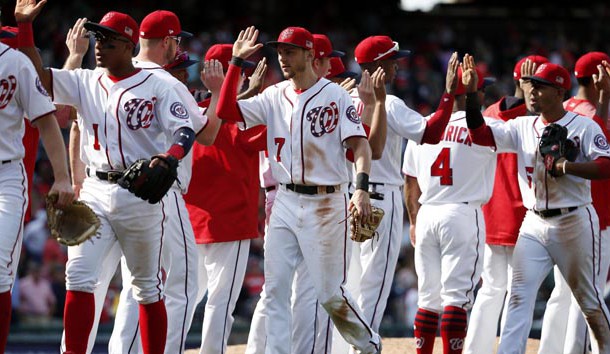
x: 237, y: 61
x: 362, y: 181
x: 25, y: 39
x: 563, y: 167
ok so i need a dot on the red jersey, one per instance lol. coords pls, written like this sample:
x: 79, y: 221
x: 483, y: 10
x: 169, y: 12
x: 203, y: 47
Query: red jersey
x: 504, y: 212
x: 223, y: 195
x: 30, y: 143
x: 600, y: 189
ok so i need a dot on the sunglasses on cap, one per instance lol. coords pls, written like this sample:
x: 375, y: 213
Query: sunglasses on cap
x: 391, y: 50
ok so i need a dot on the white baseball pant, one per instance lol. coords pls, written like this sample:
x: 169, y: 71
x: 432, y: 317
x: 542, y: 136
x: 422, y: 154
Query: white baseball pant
x: 180, y: 262
x: 489, y: 303
x: 570, y: 241
x: 13, y: 203
x: 310, y: 228
x: 222, y: 267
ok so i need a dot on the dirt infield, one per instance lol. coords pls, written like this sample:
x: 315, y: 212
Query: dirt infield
x: 390, y: 346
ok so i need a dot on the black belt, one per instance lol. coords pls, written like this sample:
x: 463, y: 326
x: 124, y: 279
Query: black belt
x: 110, y: 176
x: 311, y: 190
x: 549, y: 213
x: 6, y: 161
x: 269, y: 189
x: 376, y: 196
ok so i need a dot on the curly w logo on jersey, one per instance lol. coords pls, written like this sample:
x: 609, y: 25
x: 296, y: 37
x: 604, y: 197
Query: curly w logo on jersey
x: 140, y: 113
x: 323, y: 119
x: 7, y: 90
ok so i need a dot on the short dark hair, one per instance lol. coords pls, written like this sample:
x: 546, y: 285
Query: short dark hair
x: 584, y: 81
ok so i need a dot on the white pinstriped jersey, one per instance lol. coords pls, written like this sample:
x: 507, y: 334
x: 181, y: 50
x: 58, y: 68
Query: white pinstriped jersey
x: 198, y: 118
x: 123, y: 121
x: 454, y: 170
x: 538, y: 189
x: 21, y: 94
x: 403, y: 122
x: 306, y: 131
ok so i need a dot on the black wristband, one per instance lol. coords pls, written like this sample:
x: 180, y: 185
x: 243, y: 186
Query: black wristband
x: 362, y: 181
x: 237, y: 61
x: 474, y: 118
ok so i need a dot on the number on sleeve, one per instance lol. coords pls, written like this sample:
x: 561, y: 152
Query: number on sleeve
x: 442, y: 167
x: 280, y: 143
x: 96, y: 141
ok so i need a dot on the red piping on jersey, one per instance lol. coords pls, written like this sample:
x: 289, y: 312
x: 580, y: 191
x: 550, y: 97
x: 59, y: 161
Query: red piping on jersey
x: 534, y: 127
x: 302, y: 117
x: 6, y: 50
x: 227, y: 108
x: 23, y: 210
x: 290, y: 130
x: 116, y: 79
x: 568, y: 123
x: 51, y: 79
x: 99, y: 80
x: 117, y: 116
x: 41, y: 116
x: 435, y: 127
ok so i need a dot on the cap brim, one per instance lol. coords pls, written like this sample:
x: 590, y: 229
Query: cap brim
x: 540, y: 80
x: 336, y: 54
x: 274, y: 44
x: 185, y: 64
x: 404, y: 53
x: 185, y: 34
x: 488, y: 81
x: 7, y: 34
x: 96, y: 27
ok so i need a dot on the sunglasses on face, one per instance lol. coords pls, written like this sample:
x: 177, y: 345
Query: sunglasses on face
x: 102, y: 38
x: 177, y: 39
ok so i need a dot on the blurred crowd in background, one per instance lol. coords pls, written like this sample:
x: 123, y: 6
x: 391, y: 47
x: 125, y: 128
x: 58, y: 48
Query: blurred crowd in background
x: 497, y: 37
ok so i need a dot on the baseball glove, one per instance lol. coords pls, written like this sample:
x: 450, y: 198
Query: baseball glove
x: 362, y: 232
x: 150, y: 183
x: 554, y: 145
x: 72, y: 225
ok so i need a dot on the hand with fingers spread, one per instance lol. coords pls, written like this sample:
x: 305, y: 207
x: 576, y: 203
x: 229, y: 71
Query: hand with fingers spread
x: 257, y: 80
x: 378, y: 78
x: 528, y: 68
x: 601, y: 80
x: 77, y: 39
x: 348, y: 84
x: 366, y: 91
x: 246, y: 45
x: 27, y: 10
x: 212, y: 75
x: 451, y: 81
x: 470, y: 78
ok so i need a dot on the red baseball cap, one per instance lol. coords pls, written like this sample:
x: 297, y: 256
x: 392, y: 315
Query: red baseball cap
x: 116, y: 23
x: 160, y: 24
x: 586, y: 65
x: 481, y: 84
x: 323, y: 48
x: 337, y: 69
x: 551, y: 74
x: 537, y: 59
x: 8, y: 36
x: 223, y: 53
x: 375, y: 48
x: 296, y: 36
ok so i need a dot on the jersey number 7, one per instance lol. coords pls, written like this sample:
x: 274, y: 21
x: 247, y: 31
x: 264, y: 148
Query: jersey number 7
x: 442, y: 167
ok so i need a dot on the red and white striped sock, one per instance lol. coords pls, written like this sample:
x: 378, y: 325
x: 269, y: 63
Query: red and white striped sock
x: 453, y: 329
x: 426, y: 324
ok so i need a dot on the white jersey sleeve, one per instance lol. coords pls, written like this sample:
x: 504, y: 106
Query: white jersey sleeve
x: 68, y: 85
x: 256, y: 109
x: 506, y: 134
x: 406, y: 122
x: 409, y: 165
x: 30, y: 93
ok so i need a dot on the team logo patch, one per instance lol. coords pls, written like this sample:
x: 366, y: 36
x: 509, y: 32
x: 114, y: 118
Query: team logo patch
x: 140, y: 113
x: 40, y: 88
x: 352, y: 115
x: 324, y: 119
x: 7, y: 90
x: 601, y: 142
x: 179, y: 111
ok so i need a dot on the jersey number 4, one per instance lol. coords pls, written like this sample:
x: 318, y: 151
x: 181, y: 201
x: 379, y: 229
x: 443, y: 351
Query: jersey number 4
x: 442, y: 167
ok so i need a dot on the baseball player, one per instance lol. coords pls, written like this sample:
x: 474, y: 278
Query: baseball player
x: 500, y: 237
x: 338, y: 73
x: 560, y: 227
x: 223, y: 208
x: 310, y: 122
x: 559, y: 323
x: 140, y: 113
x: 22, y: 96
x: 444, y: 205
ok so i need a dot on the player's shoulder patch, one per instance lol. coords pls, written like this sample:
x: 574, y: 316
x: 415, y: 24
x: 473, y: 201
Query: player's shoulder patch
x: 41, y: 88
x: 352, y: 114
x: 601, y: 142
x: 179, y: 110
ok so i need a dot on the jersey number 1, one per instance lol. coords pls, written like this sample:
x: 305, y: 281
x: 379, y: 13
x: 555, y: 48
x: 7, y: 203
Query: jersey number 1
x: 442, y: 167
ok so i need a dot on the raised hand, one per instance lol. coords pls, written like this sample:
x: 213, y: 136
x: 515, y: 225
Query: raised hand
x: 258, y: 76
x: 601, y: 80
x: 348, y: 84
x: 77, y: 39
x: 27, y: 10
x: 470, y: 79
x: 528, y: 68
x: 379, y: 84
x: 246, y: 45
x: 212, y: 75
x: 451, y: 81
x: 365, y: 88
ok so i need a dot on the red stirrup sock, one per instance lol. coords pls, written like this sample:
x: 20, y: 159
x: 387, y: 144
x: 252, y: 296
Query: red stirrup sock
x: 426, y: 324
x: 153, y: 326
x: 79, y: 313
x: 453, y: 329
x: 5, y: 318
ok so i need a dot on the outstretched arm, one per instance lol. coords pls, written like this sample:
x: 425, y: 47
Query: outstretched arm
x: 212, y: 77
x: 25, y: 13
x: 77, y: 43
